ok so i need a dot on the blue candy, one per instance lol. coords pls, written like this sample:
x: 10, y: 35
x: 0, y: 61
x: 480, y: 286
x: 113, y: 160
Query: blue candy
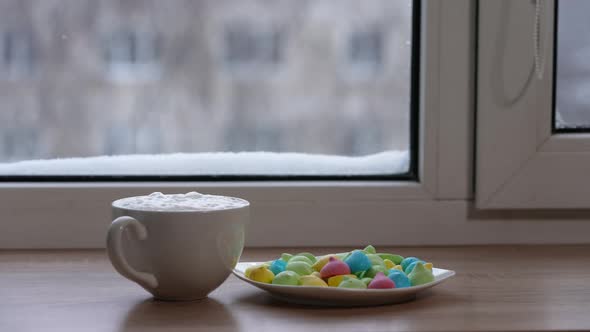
x: 410, y: 267
x: 407, y: 261
x: 278, y: 266
x: 358, y: 261
x: 399, y: 278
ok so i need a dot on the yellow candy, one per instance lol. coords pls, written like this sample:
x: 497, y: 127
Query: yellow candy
x: 262, y: 274
x: 398, y: 267
x: 312, y: 281
x: 316, y: 274
x: 336, y: 280
x: 249, y: 270
x: 319, y: 264
x: 389, y: 264
x: 428, y: 266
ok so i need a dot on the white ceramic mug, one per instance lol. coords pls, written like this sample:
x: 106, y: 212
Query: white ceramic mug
x: 176, y: 255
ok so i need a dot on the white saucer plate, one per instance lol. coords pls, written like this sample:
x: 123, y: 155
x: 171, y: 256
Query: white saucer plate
x: 342, y: 297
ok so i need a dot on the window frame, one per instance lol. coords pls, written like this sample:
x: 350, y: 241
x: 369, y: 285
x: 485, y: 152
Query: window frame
x: 134, y: 35
x: 537, y: 167
x: 132, y: 67
x: 76, y: 214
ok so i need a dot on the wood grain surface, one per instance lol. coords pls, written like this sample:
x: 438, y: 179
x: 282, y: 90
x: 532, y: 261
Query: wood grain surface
x: 511, y: 288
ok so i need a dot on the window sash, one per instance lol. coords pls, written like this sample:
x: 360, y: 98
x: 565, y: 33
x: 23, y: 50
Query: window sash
x: 521, y: 163
x: 76, y: 214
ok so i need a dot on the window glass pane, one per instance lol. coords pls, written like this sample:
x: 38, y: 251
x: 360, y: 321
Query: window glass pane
x: 572, y: 90
x: 206, y: 87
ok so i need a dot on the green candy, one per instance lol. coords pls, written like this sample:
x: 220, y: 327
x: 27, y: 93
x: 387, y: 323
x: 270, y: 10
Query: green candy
x: 342, y: 256
x: 372, y: 272
x: 311, y: 257
x: 286, y: 257
x: 301, y: 268
x: 367, y: 281
x: 360, y: 274
x: 286, y: 278
x: 397, y: 259
x: 352, y: 283
x: 301, y: 259
x: 376, y: 260
x: 420, y: 275
x: 370, y: 250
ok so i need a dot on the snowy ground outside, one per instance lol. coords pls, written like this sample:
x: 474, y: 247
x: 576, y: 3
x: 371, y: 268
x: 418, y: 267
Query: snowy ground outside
x: 219, y: 163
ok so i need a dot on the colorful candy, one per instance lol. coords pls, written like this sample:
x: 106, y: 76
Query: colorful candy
x: 381, y: 282
x: 261, y: 274
x: 312, y: 281
x: 400, y: 279
x: 420, y: 275
x: 320, y: 263
x: 336, y: 280
x: 372, y: 272
x: 249, y: 270
x: 352, y: 283
x: 301, y: 259
x: 357, y: 269
x: 341, y: 256
x: 370, y: 249
x: 410, y: 267
x: 286, y: 278
x: 407, y: 261
x: 278, y: 266
x: 358, y: 261
x: 397, y: 259
x: 389, y: 264
x: 311, y: 257
x: 376, y: 260
x: 301, y: 268
x: 334, y: 267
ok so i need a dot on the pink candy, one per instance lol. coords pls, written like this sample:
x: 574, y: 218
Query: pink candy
x: 335, y: 267
x: 381, y: 282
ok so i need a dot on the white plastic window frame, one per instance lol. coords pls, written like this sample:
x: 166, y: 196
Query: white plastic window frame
x: 76, y: 215
x: 521, y: 163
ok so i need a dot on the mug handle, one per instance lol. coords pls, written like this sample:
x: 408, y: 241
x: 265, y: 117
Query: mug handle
x: 115, y: 251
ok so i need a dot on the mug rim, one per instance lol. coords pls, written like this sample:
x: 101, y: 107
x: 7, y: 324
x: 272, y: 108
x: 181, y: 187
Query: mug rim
x: 115, y: 206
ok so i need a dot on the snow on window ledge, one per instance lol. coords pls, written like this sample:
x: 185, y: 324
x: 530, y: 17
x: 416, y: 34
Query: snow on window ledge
x: 217, y: 163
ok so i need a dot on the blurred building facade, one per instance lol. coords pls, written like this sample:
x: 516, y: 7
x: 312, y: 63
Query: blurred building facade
x: 95, y: 77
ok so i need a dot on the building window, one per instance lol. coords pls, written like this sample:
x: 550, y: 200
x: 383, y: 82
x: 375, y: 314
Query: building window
x: 119, y: 139
x: 248, y: 47
x: 132, y: 56
x: 253, y: 137
x: 17, y: 54
x: 365, y: 51
x: 20, y: 142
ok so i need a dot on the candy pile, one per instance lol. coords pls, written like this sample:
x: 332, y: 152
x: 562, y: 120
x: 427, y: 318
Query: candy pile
x: 356, y: 269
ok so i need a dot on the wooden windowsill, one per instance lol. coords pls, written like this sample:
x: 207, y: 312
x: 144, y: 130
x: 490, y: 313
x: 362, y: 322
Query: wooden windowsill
x: 496, y: 288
